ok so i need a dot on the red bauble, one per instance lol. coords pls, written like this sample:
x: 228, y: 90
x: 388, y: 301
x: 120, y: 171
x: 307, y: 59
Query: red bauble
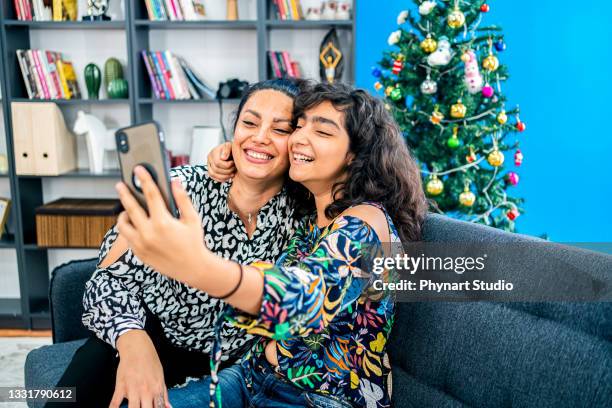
x: 512, y: 214
x: 398, y: 65
x: 520, y: 126
x: 512, y: 178
x: 485, y: 8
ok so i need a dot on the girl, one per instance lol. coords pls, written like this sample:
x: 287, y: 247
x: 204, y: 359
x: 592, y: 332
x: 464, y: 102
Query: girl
x: 321, y: 332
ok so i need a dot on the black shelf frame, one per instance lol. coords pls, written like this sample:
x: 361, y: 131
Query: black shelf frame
x: 31, y: 311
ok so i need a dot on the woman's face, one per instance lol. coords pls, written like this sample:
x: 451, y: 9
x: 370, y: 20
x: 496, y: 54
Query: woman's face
x: 259, y: 148
x: 319, y: 148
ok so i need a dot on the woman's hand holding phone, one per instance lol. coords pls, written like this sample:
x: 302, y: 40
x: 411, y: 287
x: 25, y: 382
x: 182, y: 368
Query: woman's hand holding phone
x: 221, y: 167
x: 172, y: 246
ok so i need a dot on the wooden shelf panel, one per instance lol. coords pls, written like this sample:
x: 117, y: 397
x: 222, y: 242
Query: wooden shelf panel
x: 309, y: 24
x: 76, y: 101
x: 198, y: 25
x: 79, y: 173
x: 67, y: 25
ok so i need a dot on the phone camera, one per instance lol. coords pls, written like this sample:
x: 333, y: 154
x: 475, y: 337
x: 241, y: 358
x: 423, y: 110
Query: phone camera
x: 122, y: 142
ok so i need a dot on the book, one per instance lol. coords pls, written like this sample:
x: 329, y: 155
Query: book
x: 176, y: 68
x: 274, y: 64
x: 57, y: 10
x: 294, y: 10
x: 162, y: 76
x: 52, y: 67
x: 63, y: 81
x: 157, y: 75
x: 189, y: 13
x: 21, y: 58
x: 178, y: 10
x: 71, y: 79
x: 202, y: 88
x: 151, y: 74
x: 287, y: 63
x: 150, y: 12
x: 169, y: 10
x: 165, y: 64
x: 41, y: 75
x: 69, y: 10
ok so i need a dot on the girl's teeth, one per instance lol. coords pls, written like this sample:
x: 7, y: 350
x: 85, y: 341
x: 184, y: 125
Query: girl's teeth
x: 301, y: 157
x: 258, y: 155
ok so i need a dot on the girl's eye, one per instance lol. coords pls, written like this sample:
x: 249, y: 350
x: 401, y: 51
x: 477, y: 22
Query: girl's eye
x: 322, y: 133
x: 248, y: 123
x: 283, y: 131
x: 298, y: 126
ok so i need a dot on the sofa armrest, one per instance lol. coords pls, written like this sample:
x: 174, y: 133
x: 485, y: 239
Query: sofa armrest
x: 66, y: 299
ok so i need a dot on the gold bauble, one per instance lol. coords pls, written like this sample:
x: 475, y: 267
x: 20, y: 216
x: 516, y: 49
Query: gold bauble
x: 458, y: 110
x: 490, y: 63
x: 467, y: 198
x: 388, y: 90
x: 502, y: 118
x: 434, y: 186
x: 456, y: 18
x: 495, y: 158
x: 429, y: 45
x: 465, y: 57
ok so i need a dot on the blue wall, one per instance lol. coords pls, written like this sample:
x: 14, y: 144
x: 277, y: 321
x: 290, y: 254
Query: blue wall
x: 560, y: 60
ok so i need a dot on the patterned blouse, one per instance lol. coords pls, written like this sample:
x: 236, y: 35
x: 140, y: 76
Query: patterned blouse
x: 318, y: 303
x: 114, y: 296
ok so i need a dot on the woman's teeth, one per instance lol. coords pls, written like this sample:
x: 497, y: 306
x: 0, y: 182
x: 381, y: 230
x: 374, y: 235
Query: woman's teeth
x: 258, y: 155
x: 302, y: 158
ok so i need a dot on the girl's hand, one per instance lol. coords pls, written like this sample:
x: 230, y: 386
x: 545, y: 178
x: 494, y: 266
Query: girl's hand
x: 221, y: 167
x: 173, y: 247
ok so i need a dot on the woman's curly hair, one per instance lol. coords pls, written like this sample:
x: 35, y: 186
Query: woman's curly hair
x: 383, y: 170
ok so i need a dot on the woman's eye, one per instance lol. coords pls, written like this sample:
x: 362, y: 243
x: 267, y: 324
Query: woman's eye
x: 322, y: 133
x: 283, y: 131
x: 248, y: 123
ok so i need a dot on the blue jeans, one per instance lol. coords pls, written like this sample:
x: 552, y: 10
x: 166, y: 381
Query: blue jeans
x: 268, y: 390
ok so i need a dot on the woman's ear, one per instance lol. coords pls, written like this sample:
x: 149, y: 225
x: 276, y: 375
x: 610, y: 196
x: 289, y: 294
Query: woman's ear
x: 350, y: 156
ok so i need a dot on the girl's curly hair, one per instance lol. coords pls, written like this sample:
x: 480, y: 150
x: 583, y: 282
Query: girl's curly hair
x: 383, y: 170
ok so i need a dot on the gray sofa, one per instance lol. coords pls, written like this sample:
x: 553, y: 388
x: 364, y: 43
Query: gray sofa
x: 444, y: 354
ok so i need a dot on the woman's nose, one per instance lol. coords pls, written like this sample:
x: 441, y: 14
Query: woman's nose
x: 261, y: 135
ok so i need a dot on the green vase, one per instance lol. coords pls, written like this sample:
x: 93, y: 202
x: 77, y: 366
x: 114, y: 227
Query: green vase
x: 117, y: 89
x: 112, y: 70
x: 93, y: 80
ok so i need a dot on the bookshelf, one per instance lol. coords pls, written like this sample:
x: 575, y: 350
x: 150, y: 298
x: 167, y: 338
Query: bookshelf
x: 216, y: 48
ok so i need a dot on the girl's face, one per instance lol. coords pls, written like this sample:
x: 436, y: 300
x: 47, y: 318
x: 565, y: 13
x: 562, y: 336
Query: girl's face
x: 319, y: 148
x: 259, y: 148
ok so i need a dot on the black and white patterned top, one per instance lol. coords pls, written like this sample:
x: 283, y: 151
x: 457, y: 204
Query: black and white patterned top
x: 114, y: 295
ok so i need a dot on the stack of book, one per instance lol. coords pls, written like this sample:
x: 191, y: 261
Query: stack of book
x: 172, y: 78
x: 46, y: 10
x: 283, y: 66
x: 48, y: 75
x: 288, y: 10
x: 175, y: 10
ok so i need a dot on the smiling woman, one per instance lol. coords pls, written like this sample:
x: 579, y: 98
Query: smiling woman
x: 163, y: 329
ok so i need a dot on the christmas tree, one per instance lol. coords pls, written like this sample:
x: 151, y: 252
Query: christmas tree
x: 442, y: 80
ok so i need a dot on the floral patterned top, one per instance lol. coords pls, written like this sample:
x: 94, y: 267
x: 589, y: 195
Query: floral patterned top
x: 330, y: 326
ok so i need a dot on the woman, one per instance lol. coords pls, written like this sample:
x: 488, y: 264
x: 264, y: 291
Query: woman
x: 162, y: 329
x: 322, y: 332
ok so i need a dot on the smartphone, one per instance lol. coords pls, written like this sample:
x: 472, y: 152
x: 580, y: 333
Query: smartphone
x: 143, y: 145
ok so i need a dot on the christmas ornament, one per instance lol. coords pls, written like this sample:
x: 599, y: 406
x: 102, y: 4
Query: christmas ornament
x: 402, y: 17
x: 458, y: 110
x: 426, y: 7
x: 394, y: 37
x: 388, y: 90
x: 456, y: 18
x: 471, y: 157
x: 429, y: 87
x: 442, y: 54
x: 467, y: 198
x: 495, y: 158
x: 376, y: 72
x: 429, y: 45
x: 512, y: 178
x: 398, y: 65
x: 518, y: 157
x: 387, y: 106
x: 520, y: 126
x: 490, y: 63
x: 473, y: 79
x: 512, y: 214
x: 396, y: 94
x: 487, y: 91
x: 453, y: 141
x: 500, y: 45
x: 502, y: 118
x: 377, y: 86
x: 436, y: 117
x: 434, y: 186
x: 485, y: 8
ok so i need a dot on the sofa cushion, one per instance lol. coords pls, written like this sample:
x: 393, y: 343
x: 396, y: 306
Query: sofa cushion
x: 45, y: 365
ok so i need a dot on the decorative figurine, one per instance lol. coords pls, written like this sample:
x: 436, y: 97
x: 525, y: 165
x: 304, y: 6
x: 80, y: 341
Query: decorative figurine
x: 96, y: 10
x: 93, y: 80
x: 331, y: 61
